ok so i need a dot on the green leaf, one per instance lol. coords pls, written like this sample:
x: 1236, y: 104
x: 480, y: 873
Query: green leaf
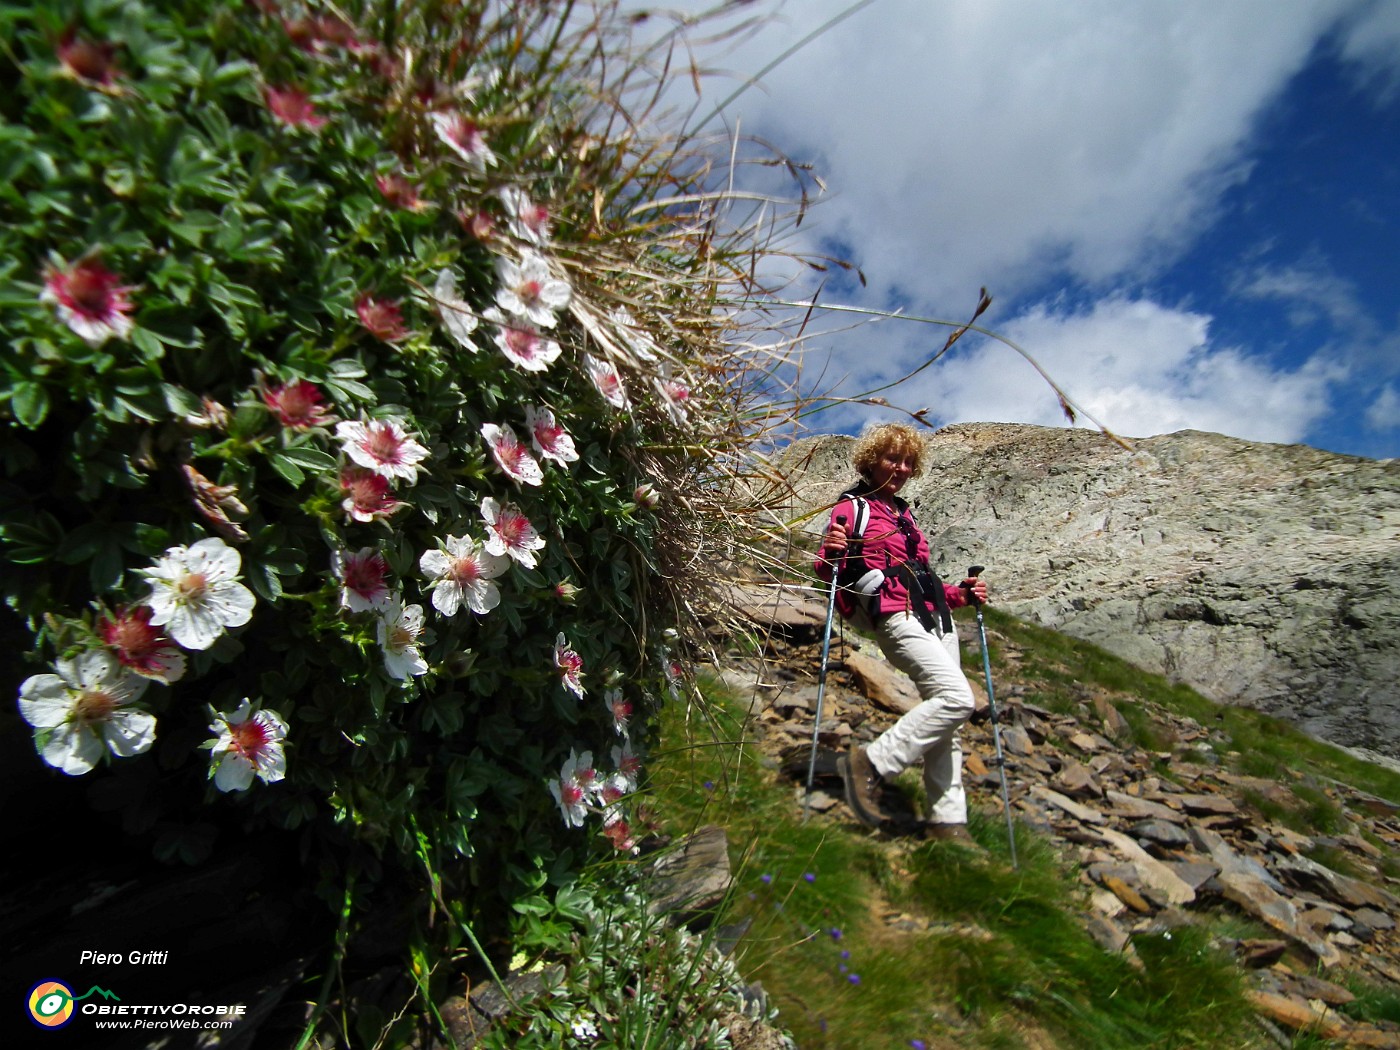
x: 311, y: 458
x: 287, y: 468
x: 30, y: 403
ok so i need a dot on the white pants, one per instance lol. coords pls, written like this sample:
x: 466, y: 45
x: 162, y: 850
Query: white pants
x: 930, y: 731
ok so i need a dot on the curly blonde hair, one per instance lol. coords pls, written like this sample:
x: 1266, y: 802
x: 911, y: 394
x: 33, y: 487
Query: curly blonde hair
x: 878, y: 440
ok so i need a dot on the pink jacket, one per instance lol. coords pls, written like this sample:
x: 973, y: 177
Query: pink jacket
x: 883, y: 545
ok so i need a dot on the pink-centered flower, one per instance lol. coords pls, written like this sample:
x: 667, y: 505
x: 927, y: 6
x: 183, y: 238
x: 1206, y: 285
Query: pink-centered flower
x: 620, y: 708
x: 509, y: 532
x: 298, y: 404
x: 522, y: 342
x: 464, y: 138
x: 549, y: 439
x: 364, y: 579
x: 570, y: 666
x: 575, y: 787
x: 457, y: 315
x: 195, y: 593
x: 86, y: 60
x: 613, y: 790
x: 367, y: 495
x: 529, y: 290
x: 382, y: 318
x: 607, y: 379
x: 675, y: 394
x: 86, y: 710
x: 398, y: 192
x: 619, y: 833
x: 247, y: 744
x: 383, y: 446
x: 398, y: 632
x: 292, y: 106
x: 511, y: 456
x: 527, y: 220
x: 141, y: 647
x: 462, y: 572
x: 90, y: 300
x: 479, y: 224
x: 628, y: 763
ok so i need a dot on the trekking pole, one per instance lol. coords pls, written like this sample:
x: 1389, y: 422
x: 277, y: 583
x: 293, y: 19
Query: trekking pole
x: 973, y: 572
x: 821, y: 680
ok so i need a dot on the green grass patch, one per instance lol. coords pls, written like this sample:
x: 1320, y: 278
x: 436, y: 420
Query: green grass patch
x: 1256, y: 744
x: 978, y: 955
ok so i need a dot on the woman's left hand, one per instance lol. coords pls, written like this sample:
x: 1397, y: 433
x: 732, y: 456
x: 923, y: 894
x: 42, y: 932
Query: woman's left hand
x: 976, y: 588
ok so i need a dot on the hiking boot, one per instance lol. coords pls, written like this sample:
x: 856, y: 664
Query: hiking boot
x: 863, y: 787
x: 949, y: 833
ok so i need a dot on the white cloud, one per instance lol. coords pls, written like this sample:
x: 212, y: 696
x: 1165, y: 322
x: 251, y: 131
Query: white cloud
x: 1016, y: 143
x: 970, y: 141
x: 1384, y: 412
x: 1139, y: 368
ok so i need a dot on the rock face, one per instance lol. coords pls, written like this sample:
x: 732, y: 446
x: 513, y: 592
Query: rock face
x: 1262, y: 575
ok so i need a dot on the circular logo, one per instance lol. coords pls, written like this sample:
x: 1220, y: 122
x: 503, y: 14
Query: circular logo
x: 50, y: 1004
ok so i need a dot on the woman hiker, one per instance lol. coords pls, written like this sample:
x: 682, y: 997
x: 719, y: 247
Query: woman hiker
x: 886, y: 587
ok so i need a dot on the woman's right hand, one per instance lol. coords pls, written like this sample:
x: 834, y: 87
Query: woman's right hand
x: 834, y: 542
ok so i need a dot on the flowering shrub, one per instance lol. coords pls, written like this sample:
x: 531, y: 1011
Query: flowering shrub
x: 636, y: 983
x: 352, y: 386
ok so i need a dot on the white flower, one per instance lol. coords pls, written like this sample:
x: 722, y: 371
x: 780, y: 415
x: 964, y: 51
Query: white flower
x: 522, y: 342
x: 550, y: 439
x: 576, y: 784
x: 619, y: 708
x: 629, y: 765
x: 195, y: 593
x: 510, y: 532
x: 86, y: 708
x: 363, y: 579
x: 383, y: 446
x: 462, y: 571
x: 511, y: 456
x: 464, y: 138
x: 398, y: 630
x: 583, y: 1028
x: 457, y: 317
x: 637, y: 340
x: 570, y: 666
x: 606, y: 378
x: 675, y: 393
x: 248, y: 743
x: 528, y: 221
x: 527, y: 289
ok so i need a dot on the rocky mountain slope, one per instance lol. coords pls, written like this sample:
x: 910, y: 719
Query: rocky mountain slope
x: 1161, y: 838
x: 1264, y: 575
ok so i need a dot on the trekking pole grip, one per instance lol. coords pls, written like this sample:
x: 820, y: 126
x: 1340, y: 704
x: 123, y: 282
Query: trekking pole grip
x: 974, y: 571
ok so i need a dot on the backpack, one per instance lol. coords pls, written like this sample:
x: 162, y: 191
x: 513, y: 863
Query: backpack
x: 862, y: 583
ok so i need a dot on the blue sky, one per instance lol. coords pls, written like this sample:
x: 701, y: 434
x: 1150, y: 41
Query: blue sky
x: 1186, y: 210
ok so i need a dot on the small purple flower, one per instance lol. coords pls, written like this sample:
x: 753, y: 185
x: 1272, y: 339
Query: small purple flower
x: 854, y: 978
x: 810, y: 877
x: 841, y: 968
x: 918, y: 1044
x: 709, y: 785
x: 845, y: 953
x: 765, y: 878
x: 835, y: 933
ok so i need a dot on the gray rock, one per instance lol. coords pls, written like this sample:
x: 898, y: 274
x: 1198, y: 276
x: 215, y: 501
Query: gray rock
x: 1162, y: 833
